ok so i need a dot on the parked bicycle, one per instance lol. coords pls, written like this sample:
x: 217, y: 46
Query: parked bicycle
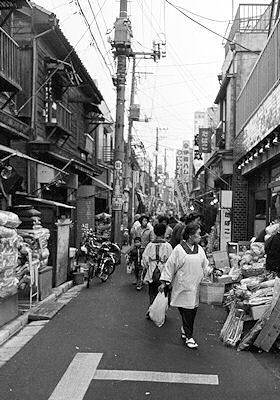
x: 101, y: 256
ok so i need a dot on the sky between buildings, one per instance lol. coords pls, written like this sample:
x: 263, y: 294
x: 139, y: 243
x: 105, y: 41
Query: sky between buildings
x: 171, y: 90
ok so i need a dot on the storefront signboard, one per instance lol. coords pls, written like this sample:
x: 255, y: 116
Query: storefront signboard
x: 205, y: 140
x: 225, y: 233
x: 263, y: 122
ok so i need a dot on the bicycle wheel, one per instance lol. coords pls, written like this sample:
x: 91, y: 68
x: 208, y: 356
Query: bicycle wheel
x: 106, y: 270
x: 111, y: 267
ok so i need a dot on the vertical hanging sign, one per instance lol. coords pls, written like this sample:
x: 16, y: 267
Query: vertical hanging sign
x: 117, y: 199
x: 204, y: 140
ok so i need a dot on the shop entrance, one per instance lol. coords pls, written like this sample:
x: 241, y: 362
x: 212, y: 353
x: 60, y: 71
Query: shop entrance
x: 260, y: 211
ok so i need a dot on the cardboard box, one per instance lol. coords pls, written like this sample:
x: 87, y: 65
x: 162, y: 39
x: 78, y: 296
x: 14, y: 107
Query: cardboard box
x: 221, y: 260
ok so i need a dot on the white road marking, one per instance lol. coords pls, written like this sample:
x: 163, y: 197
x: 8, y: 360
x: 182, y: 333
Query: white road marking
x: 83, y: 369
x: 150, y: 376
x: 76, y: 379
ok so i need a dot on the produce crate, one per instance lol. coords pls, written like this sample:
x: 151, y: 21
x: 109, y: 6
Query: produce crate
x: 212, y: 292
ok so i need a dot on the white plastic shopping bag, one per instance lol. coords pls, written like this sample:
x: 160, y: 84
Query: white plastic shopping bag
x: 129, y: 268
x: 129, y: 265
x: 158, y: 309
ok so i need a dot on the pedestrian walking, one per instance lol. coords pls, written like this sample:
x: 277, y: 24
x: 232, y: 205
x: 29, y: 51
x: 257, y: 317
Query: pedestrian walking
x: 177, y: 233
x: 153, y: 260
x: 144, y: 231
x: 272, y: 250
x: 134, y: 227
x: 172, y: 222
x: 163, y: 219
x: 135, y: 257
x: 185, y: 269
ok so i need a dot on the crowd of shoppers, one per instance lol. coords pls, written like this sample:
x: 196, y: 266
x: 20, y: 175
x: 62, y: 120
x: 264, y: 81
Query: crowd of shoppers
x: 170, y: 259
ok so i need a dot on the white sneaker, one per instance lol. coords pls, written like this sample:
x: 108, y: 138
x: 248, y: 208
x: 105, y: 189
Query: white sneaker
x: 191, y: 343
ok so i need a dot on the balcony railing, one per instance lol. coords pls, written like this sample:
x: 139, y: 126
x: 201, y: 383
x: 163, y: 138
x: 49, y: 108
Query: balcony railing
x: 249, y: 18
x: 9, y: 63
x: 57, y: 115
x: 264, y: 75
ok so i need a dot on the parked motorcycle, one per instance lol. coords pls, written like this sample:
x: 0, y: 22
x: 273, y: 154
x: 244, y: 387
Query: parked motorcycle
x: 101, y: 256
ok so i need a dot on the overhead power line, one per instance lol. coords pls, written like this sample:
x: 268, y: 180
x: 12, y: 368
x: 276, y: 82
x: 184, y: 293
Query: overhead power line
x: 203, y: 17
x: 92, y: 35
x: 208, y: 29
x: 100, y: 33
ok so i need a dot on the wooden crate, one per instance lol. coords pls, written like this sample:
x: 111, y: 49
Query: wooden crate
x: 258, y: 311
x: 211, y: 292
x: 271, y: 328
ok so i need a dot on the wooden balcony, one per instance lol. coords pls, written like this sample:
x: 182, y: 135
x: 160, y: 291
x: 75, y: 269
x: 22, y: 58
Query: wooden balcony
x: 9, y: 64
x: 13, y: 126
x: 58, y: 120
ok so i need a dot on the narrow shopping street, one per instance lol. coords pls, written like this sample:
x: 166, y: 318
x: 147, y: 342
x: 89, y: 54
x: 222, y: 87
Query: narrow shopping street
x: 104, y: 329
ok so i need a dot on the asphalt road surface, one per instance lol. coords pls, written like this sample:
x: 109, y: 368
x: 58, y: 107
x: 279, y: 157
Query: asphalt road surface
x: 100, y: 346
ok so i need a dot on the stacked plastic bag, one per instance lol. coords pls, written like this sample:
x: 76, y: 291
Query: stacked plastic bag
x: 8, y: 253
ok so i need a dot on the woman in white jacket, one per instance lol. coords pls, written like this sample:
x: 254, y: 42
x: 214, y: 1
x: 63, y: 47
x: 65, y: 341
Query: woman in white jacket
x: 185, y: 269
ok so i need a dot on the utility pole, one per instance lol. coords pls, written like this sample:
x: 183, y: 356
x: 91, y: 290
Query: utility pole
x: 156, y: 166
x: 155, y: 54
x: 129, y: 178
x: 122, y: 46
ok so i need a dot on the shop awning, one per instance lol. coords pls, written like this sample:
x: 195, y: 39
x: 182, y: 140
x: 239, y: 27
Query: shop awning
x: 50, y: 202
x: 15, y: 153
x: 79, y: 165
x: 101, y: 184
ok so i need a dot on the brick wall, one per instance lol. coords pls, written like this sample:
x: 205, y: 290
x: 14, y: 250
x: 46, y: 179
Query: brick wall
x: 240, y: 206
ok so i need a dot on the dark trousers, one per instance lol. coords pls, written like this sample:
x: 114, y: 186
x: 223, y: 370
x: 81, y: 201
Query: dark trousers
x: 188, y: 317
x: 153, y: 290
x: 138, y: 272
